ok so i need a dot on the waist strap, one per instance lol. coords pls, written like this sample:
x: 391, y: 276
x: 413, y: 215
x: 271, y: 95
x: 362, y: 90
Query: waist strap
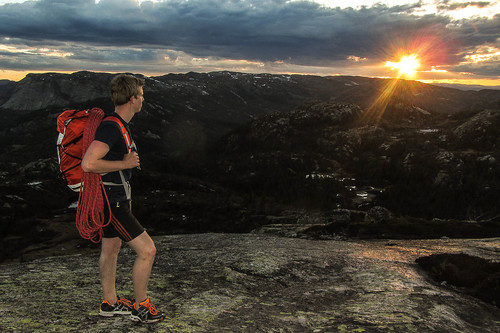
x: 125, y: 184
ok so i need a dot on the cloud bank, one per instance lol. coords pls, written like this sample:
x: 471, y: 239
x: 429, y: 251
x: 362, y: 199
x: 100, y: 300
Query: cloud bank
x: 203, y: 35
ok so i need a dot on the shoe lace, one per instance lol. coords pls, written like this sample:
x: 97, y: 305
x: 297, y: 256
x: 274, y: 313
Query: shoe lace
x: 125, y: 301
x: 150, y: 306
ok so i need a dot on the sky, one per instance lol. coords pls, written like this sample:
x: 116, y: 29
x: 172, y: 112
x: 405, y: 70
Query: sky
x: 446, y: 41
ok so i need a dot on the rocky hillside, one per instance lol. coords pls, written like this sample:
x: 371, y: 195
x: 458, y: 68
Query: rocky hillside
x: 231, y: 152
x: 259, y: 283
x: 326, y: 156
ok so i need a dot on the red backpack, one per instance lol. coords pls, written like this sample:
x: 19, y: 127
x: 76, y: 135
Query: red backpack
x: 76, y: 131
x: 71, y: 125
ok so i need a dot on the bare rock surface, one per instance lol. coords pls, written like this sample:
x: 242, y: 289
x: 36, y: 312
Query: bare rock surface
x: 255, y: 283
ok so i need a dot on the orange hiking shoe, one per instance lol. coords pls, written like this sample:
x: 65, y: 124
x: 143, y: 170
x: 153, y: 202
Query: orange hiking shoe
x: 122, y: 307
x: 146, y: 312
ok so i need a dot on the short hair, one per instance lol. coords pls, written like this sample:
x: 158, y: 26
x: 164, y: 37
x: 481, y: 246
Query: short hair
x: 124, y: 86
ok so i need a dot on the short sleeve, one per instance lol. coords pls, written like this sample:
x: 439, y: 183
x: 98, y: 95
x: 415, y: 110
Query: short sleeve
x: 108, y: 133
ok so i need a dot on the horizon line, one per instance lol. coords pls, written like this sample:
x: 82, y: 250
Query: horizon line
x: 477, y: 83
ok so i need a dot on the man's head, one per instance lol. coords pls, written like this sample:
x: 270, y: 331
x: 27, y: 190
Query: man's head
x: 123, y: 87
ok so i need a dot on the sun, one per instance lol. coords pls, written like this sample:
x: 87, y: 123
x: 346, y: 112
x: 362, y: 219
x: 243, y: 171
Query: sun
x: 407, y: 65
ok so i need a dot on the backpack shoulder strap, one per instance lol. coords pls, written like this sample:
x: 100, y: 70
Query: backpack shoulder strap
x: 125, y: 133
x: 130, y: 146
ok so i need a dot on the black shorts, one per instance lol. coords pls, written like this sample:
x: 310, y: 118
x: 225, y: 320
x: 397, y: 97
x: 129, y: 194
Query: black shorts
x: 123, y: 223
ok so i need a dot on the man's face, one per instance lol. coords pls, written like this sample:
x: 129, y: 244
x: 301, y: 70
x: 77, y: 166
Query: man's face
x: 137, y: 101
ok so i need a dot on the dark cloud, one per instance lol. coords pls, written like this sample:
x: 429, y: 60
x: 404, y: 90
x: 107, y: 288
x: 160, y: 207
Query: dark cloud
x: 491, y: 68
x: 478, y: 31
x: 297, y: 32
x: 446, y: 5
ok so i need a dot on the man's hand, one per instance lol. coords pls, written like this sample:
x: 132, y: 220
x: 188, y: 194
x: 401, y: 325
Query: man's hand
x: 131, y: 160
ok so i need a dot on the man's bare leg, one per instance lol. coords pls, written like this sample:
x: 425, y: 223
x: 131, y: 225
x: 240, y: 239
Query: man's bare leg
x: 110, y: 248
x: 145, y: 249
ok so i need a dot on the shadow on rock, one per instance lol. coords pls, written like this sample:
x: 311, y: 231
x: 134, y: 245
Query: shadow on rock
x: 474, y: 275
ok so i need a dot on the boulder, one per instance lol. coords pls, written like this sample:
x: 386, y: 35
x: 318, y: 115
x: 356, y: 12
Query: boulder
x: 378, y: 214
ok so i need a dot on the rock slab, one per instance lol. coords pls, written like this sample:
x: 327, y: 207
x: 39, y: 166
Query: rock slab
x: 255, y: 283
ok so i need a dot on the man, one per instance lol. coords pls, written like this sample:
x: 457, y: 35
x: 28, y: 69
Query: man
x: 109, y: 156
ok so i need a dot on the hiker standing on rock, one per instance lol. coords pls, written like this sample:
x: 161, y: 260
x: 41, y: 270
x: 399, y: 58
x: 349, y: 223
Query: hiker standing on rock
x: 113, y: 158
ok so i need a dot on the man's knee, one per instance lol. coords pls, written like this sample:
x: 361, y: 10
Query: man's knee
x: 111, y: 246
x: 146, y: 251
x: 150, y: 251
x: 144, y: 246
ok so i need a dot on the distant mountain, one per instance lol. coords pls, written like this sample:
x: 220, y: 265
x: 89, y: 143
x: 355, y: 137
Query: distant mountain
x: 467, y: 86
x: 41, y: 91
x: 4, y: 83
x: 5, y: 87
x: 253, y: 94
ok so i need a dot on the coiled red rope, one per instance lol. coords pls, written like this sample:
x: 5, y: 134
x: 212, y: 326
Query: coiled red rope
x: 90, y: 217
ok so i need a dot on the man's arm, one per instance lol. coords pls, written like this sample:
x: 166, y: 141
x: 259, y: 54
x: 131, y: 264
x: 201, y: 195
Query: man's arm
x: 93, y: 159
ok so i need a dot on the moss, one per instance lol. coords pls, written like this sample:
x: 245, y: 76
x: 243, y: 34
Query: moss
x: 268, y: 304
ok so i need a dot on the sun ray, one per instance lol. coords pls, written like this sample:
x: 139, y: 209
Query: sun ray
x: 376, y: 110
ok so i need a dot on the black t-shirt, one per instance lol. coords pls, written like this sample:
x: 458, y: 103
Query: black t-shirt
x: 110, y: 133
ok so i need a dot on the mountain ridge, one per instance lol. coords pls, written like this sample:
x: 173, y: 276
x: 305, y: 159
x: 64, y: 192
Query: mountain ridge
x: 38, y: 91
